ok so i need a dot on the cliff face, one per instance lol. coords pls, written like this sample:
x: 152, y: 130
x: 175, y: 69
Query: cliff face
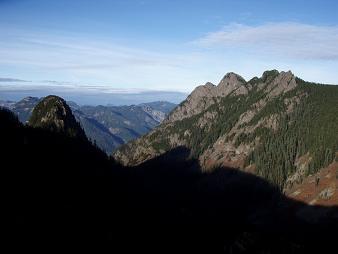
x: 262, y: 126
x: 205, y: 96
x: 273, y: 83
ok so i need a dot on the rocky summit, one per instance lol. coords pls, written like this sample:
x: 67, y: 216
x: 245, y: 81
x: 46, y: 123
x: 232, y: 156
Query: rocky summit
x: 54, y: 114
x: 276, y: 126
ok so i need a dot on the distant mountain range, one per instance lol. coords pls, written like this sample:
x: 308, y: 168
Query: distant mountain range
x: 12, y: 80
x: 107, y: 126
x: 15, y: 89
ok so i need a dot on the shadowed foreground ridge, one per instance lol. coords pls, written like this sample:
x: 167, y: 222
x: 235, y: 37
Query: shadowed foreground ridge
x: 64, y: 190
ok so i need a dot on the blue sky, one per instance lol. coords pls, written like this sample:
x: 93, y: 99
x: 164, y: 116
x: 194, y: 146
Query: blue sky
x: 164, y: 45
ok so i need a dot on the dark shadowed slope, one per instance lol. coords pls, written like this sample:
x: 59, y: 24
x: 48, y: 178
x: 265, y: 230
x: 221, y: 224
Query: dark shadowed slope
x: 65, y: 191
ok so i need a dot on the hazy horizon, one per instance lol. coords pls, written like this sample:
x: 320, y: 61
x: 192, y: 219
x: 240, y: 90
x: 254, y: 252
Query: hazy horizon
x: 89, y: 95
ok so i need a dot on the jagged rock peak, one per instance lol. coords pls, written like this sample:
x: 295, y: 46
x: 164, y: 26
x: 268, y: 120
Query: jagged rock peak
x: 195, y: 103
x: 54, y: 114
x: 204, y: 96
x: 209, y: 85
x: 232, y: 82
x: 273, y: 82
x: 272, y: 74
x: 203, y: 90
x: 287, y: 74
x: 231, y: 78
x: 279, y: 82
x: 269, y: 75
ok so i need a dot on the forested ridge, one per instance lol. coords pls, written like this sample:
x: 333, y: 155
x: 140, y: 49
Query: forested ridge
x: 298, y: 122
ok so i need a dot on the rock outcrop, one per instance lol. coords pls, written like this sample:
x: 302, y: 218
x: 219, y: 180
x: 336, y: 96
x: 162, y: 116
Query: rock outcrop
x: 206, y: 95
x: 54, y: 114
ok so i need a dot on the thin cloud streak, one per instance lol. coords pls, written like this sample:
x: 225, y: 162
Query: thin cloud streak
x: 81, y: 53
x: 77, y: 58
x: 289, y: 40
x: 310, y: 51
x: 17, y: 85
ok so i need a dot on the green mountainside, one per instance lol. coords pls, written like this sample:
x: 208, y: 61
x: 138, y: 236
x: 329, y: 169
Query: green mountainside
x: 277, y: 126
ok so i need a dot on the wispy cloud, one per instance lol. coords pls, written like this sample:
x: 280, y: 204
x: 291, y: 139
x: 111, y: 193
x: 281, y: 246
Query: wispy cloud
x: 310, y: 51
x: 79, y: 53
x: 290, y: 40
x: 80, y: 59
